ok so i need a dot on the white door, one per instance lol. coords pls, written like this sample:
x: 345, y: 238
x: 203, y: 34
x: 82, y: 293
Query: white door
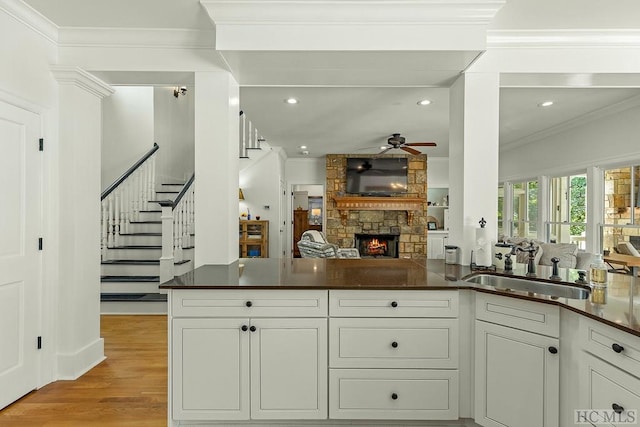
x: 517, y: 378
x: 20, y: 260
x: 288, y: 368
x: 210, y: 371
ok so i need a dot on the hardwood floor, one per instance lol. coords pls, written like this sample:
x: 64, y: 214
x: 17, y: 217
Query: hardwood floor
x: 129, y: 388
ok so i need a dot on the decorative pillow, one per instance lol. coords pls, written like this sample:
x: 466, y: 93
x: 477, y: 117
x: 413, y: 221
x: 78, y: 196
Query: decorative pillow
x: 522, y: 257
x: 627, y: 248
x: 567, y: 252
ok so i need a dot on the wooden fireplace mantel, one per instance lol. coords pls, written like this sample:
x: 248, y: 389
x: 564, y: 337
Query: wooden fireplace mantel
x: 409, y: 204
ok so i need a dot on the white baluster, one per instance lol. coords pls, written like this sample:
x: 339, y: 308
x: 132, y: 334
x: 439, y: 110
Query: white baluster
x: 123, y: 223
x: 105, y: 229
x: 111, y: 221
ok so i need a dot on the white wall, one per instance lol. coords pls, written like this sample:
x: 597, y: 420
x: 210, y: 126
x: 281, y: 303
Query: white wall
x: 305, y: 171
x: 128, y: 131
x: 260, y: 185
x: 174, y: 133
x: 438, y: 172
x: 599, y: 142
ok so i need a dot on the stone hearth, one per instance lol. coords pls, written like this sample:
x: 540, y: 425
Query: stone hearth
x: 412, y: 239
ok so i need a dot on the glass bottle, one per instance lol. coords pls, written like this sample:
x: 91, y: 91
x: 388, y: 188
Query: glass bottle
x: 598, y: 280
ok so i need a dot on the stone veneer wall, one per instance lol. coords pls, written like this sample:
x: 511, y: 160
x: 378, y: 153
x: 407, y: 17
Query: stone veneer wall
x: 413, y: 239
x: 617, y: 205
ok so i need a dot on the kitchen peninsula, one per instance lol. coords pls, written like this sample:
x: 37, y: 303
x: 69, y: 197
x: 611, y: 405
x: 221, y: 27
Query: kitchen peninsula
x: 305, y: 340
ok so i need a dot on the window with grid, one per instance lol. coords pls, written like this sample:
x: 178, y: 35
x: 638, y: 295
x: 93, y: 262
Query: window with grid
x: 568, y: 210
x: 525, y: 209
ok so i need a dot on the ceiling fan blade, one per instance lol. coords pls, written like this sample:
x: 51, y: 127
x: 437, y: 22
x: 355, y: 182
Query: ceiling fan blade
x: 384, y: 150
x: 421, y: 144
x: 410, y: 150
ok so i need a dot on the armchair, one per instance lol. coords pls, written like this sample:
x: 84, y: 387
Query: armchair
x: 313, y: 244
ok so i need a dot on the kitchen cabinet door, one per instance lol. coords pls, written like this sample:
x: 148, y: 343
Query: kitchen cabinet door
x: 516, y: 378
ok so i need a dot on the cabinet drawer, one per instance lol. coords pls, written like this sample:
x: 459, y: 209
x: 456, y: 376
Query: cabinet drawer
x: 393, y: 343
x: 616, y: 347
x: 607, y: 387
x: 407, y: 394
x: 393, y: 303
x: 520, y: 314
x: 248, y: 303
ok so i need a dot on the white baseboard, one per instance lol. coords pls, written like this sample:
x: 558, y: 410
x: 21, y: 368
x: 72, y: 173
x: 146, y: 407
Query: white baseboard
x: 71, y: 366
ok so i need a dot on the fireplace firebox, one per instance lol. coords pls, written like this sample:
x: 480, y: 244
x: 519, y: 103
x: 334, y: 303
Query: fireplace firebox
x: 377, y: 245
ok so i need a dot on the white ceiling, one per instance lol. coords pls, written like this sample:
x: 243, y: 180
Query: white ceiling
x: 348, y: 101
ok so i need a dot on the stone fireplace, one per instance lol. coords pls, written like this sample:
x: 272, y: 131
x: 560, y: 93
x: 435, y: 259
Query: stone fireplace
x: 405, y: 219
x: 377, y: 245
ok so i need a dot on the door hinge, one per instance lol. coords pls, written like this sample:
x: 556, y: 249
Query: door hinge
x: 39, y: 243
x: 41, y: 144
x: 39, y: 343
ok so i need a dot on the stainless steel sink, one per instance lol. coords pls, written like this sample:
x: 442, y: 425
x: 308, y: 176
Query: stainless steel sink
x: 517, y: 284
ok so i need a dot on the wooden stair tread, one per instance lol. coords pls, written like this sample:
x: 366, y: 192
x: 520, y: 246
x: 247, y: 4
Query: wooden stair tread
x: 152, y: 297
x: 130, y: 278
x: 145, y: 222
x: 136, y: 247
x: 141, y: 234
x: 140, y: 262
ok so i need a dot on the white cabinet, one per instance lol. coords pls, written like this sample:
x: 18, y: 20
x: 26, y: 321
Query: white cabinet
x: 240, y: 368
x: 436, y: 241
x: 517, y: 372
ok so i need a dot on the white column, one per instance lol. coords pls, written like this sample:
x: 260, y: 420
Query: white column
x: 473, y: 158
x: 595, y: 209
x: 79, y: 346
x: 216, y: 168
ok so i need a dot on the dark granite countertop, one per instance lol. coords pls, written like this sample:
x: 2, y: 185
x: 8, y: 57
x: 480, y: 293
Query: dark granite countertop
x: 622, y: 309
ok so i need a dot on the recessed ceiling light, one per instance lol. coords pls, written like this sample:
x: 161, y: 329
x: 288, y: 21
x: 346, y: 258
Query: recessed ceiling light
x: 303, y: 147
x: 546, y: 104
x: 384, y: 147
x: 291, y: 101
x: 424, y: 102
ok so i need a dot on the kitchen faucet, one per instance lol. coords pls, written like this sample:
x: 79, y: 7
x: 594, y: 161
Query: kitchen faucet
x: 531, y: 265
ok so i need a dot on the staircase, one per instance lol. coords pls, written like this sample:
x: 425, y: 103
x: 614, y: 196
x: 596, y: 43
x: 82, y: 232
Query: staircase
x: 132, y: 240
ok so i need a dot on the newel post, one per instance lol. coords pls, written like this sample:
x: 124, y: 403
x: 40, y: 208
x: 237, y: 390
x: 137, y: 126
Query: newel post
x: 166, y: 259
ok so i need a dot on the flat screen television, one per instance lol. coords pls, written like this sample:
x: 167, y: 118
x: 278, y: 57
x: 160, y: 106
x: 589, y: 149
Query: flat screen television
x: 376, y: 176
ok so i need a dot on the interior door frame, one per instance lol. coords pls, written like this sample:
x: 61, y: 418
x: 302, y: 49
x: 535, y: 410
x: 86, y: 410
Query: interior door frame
x: 289, y: 216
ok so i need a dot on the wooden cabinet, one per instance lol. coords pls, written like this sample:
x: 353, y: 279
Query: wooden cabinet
x: 244, y: 367
x: 300, y: 225
x: 436, y: 241
x: 517, y: 372
x: 254, y: 239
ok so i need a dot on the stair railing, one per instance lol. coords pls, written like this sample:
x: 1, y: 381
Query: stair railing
x: 250, y: 139
x: 123, y: 200
x: 178, y: 225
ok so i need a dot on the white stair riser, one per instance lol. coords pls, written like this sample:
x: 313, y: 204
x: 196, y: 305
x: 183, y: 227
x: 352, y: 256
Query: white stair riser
x: 134, y: 254
x: 164, y: 195
x: 149, y: 216
x: 131, y: 307
x: 129, y: 287
x: 140, y: 240
x: 145, y: 228
x: 183, y: 268
x: 129, y: 270
x: 165, y: 187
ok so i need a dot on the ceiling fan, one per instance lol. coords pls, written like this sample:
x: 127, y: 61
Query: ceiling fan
x: 397, y: 141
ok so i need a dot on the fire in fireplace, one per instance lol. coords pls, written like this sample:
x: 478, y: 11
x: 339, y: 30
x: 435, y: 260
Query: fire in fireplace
x: 377, y: 245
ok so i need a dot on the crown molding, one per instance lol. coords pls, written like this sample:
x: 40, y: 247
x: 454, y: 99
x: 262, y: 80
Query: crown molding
x: 25, y: 14
x: 137, y: 37
x: 349, y: 12
x: 76, y: 76
x: 562, y: 38
x: 574, y: 123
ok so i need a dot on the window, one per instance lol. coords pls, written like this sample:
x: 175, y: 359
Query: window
x: 525, y: 209
x: 500, y: 209
x: 621, y: 207
x: 568, y: 209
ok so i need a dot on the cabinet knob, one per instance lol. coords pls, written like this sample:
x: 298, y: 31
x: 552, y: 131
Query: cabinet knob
x: 617, y: 408
x: 248, y: 303
x: 244, y: 328
x: 252, y: 328
x: 617, y: 347
x: 394, y: 344
x: 394, y: 396
x: 553, y: 350
x: 394, y: 304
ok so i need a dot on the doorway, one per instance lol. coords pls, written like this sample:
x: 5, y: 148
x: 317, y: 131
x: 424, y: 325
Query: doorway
x: 307, y: 212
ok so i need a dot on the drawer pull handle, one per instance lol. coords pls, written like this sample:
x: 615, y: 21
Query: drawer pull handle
x: 553, y: 350
x: 617, y: 408
x: 394, y: 304
x: 394, y: 344
x: 394, y: 396
x: 244, y: 328
x: 252, y: 328
x: 248, y: 303
x: 617, y: 348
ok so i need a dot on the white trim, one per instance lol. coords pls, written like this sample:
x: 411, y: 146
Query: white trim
x: 71, y: 75
x: 371, y: 12
x: 137, y: 37
x: 72, y: 366
x: 584, y: 119
x: 579, y: 38
x: 31, y: 18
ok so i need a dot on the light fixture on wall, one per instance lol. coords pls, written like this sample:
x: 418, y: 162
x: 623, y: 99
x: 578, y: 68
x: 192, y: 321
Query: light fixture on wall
x: 179, y: 91
x: 240, y: 194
